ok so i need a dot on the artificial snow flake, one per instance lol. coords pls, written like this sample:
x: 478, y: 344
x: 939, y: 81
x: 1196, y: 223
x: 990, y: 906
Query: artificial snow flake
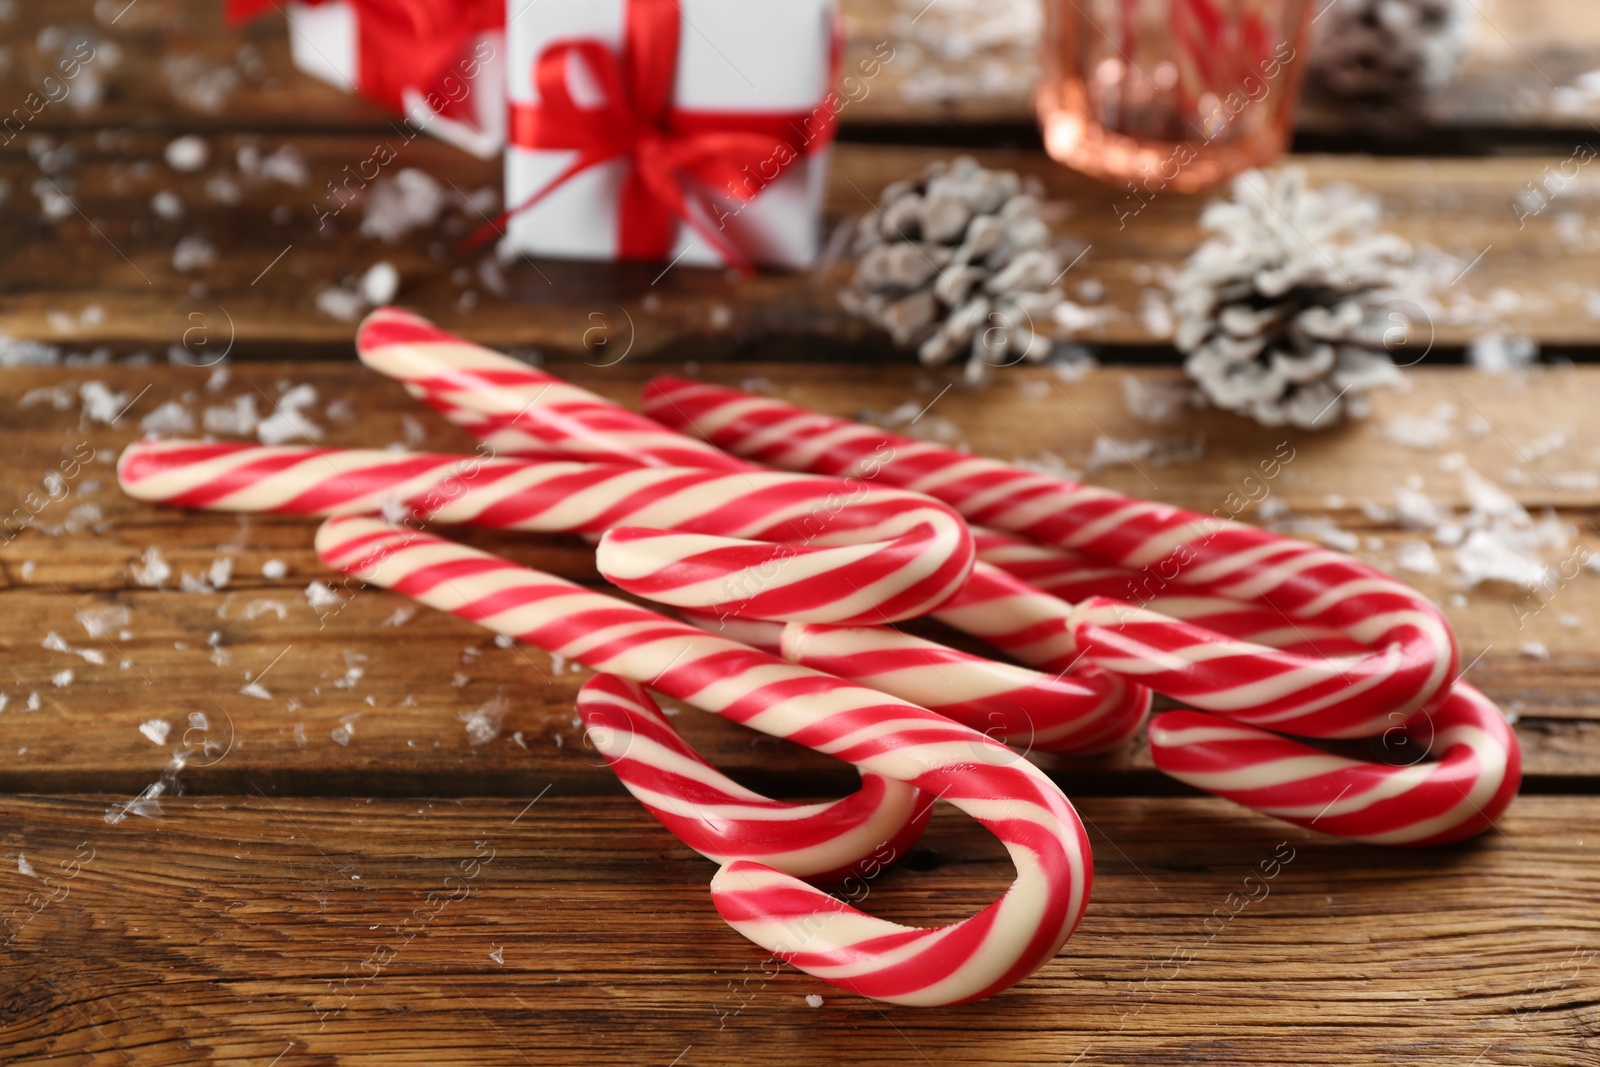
x: 188, y: 153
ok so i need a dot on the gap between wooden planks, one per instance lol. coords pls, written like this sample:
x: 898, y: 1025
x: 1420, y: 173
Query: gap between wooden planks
x: 1491, y: 273
x: 233, y: 931
x: 357, y: 706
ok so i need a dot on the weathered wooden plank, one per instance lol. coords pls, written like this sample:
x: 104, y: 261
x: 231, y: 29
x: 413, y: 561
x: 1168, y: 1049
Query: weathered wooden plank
x: 175, y: 65
x: 409, y: 734
x: 282, y: 245
x: 579, y: 931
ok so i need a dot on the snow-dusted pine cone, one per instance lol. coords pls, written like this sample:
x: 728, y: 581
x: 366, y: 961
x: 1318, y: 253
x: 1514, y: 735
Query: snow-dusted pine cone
x: 1390, y: 50
x: 1286, y: 314
x: 958, y: 261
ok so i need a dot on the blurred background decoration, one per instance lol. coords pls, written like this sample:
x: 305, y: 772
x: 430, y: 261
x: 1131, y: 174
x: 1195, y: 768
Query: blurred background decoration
x: 1171, y: 94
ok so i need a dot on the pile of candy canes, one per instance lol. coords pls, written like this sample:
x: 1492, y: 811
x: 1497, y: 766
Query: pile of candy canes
x: 790, y: 543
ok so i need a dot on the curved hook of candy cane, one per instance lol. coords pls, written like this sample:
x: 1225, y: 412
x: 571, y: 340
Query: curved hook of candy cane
x: 1458, y: 794
x: 899, y: 577
x: 1021, y: 707
x: 1413, y: 652
x: 763, y: 544
x: 818, y: 933
x: 518, y: 410
x: 767, y: 637
x: 724, y: 821
x: 1252, y: 664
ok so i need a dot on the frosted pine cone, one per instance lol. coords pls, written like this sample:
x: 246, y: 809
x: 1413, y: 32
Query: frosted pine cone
x: 958, y: 261
x: 1282, y: 314
x: 1390, y: 50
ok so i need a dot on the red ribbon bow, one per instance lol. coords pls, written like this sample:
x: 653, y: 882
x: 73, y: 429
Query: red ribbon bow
x: 667, y: 147
x: 404, y: 44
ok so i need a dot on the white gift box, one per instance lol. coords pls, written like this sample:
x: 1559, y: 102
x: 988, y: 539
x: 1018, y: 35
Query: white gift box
x: 734, y: 56
x: 323, y: 40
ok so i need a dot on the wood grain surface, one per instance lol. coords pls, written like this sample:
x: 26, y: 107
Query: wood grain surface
x: 567, y: 930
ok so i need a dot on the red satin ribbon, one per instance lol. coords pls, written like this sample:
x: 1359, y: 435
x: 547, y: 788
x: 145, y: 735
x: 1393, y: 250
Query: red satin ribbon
x: 673, y: 153
x: 405, y: 44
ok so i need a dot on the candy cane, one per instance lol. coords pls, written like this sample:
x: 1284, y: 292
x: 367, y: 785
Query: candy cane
x: 724, y: 821
x: 817, y: 933
x: 1473, y: 781
x: 1411, y: 656
x: 518, y: 410
x: 1029, y: 625
x: 764, y: 634
x: 1067, y: 575
x: 843, y: 553
x: 1024, y: 708
x: 522, y: 411
x: 461, y: 380
x: 1474, y: 778
x: 450, y: 489
x: 1071, y: 577
x: 1163, y: 652
x: 1055, y: 570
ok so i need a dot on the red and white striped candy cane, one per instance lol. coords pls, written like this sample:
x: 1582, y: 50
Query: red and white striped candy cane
x: 1411, y: 656
x: 1474, y: 758
x: 515, y: 494
x: 1028, y: 625
x: 462, y: 379
x: 518, y: 410
x: 762, y: 544
x: 523, y: 411
x: 1013, y: 616
x: 1071, y: 577
x: 1474, y: 771
x: 1056, y: 571
x: 817, y: 933
x: 724, y: 821
x: 1184, y: 658
x: 765, y: 634
x: 1023, y: 708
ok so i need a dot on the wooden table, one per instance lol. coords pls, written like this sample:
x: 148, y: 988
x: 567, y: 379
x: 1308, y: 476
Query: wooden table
x: 244, y: 908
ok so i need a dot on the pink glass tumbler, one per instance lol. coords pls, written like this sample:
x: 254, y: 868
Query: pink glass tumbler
x: 1171, y: 94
